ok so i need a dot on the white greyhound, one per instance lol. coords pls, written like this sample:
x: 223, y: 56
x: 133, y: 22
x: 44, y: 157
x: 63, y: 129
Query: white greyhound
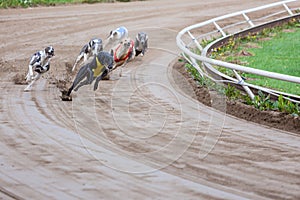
x: 116, y: 36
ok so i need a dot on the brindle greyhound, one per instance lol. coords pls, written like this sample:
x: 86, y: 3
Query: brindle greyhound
x: 98, y: 68
x: 141, y: 43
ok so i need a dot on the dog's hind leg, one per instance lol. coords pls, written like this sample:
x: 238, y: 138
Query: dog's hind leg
x: 27, y: 77
x: 122, y: 66
x: 85, y: 57
x: 79, y: 58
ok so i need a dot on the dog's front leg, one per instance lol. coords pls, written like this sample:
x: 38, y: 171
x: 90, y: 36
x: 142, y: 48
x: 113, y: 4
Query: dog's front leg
x: 77, y: 60
x: 121, y: 68
x: 99, y: 78
x: 29, y: 87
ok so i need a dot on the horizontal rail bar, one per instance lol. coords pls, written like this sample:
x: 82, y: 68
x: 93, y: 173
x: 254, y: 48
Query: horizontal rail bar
x: 231, y: 15
x: 232, y: 66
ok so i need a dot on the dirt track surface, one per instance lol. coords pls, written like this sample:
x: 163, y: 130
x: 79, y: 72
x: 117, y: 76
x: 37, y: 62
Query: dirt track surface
x: 139, y: 136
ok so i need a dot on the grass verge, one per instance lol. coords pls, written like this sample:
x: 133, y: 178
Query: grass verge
x: 33, y: 3
x: 275, y: 50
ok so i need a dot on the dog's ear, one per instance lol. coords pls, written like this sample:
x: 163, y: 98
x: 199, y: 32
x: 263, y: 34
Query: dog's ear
x: 109, y: 34
x: 47, y: 49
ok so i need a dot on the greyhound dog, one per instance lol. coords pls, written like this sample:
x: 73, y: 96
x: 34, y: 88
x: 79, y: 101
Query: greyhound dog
x: 98, y: 68
x: 141, y: 43
x: 116, y: 36
x: 39, y: 63
x: 123, y: 53
x: 92, y: 48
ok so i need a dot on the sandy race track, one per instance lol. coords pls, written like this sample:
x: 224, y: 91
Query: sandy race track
x: 139, y: 136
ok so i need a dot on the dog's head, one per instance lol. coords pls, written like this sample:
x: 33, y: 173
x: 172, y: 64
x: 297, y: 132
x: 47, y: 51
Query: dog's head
x: 141, y: 42
x: 106, y: 59
x: 96, y: 45
x: 142, y: 38
x: 124, y: 50
x: 126, y: 43
x: 49, y: 51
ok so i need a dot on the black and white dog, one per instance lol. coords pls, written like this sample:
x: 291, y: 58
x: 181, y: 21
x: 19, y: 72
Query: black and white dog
x: 92, y: 48
x: 141, y: 43
x: 39, y: 63
x: 116, y: 36
x: 98, y: 68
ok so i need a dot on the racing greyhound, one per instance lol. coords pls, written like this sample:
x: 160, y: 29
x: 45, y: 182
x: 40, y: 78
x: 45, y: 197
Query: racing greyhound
x: 39, y: 63
x: 116, y: 36
x: 92, y: 48
x: 98, y: 68
x: 123, y: 53
x: 141, y: 43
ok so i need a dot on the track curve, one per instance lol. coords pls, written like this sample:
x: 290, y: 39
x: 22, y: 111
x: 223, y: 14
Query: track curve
x: 139, y: 136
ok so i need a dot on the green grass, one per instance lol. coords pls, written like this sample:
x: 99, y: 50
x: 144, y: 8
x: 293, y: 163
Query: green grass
x: 281, y: 55
x: 32, y: 3
x: 274, y: 50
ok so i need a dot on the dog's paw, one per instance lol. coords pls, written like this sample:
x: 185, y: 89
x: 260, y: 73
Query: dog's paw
x: 27, y: 89
x: 107, y: 77
x: 66, y: 98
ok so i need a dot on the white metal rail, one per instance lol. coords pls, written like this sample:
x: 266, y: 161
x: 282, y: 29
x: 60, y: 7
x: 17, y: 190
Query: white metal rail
x: 189, y: 44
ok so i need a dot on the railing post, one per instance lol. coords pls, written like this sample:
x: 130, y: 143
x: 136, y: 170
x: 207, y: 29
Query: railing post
x: 220, y: 29
x: 287, y: 8
x: 248, y: 20
x: 193, y: 61
x: 195, y: 41
x: 246, y: 88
